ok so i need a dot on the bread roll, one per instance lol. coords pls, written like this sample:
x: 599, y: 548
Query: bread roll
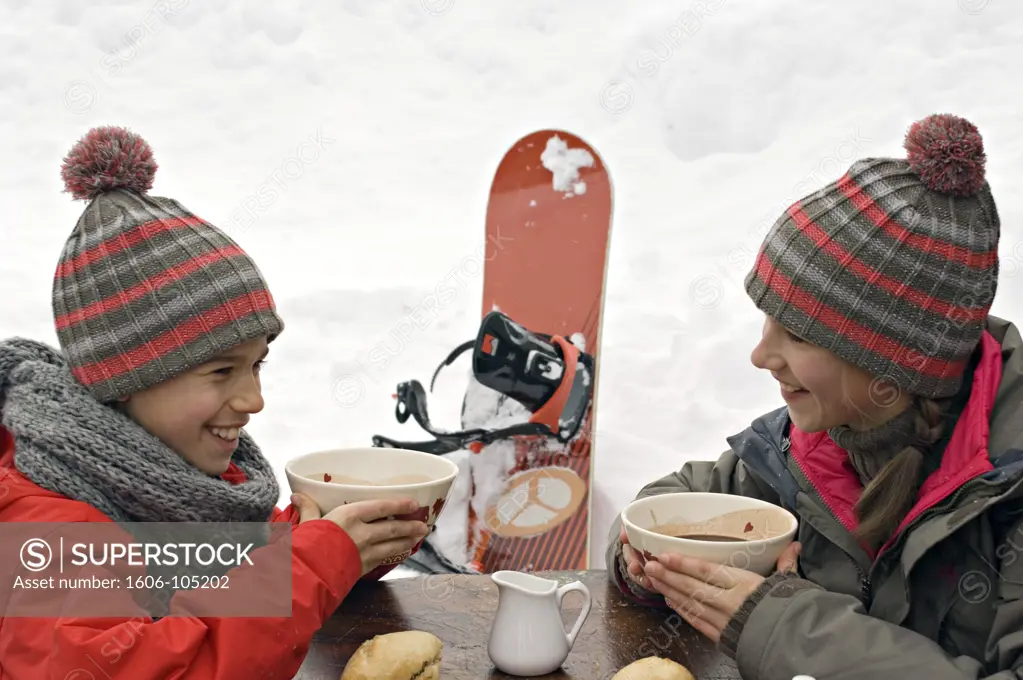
x: 396, y: 656
x: 654, y: 668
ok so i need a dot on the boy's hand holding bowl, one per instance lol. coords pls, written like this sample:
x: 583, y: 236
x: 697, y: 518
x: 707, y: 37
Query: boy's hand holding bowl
x: 387, y: 500
x: 706, y: 552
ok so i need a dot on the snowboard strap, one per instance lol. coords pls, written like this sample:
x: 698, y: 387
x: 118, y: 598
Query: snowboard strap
x: 455, y: 353
x: 411, y: 401
x: 539, y: 371
x: 549, y: 414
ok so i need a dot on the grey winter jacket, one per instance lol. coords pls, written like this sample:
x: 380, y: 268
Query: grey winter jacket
x: 943, y: 601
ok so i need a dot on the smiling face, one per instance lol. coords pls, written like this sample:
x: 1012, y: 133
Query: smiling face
x: 198, y: 414
x: 821, y: 390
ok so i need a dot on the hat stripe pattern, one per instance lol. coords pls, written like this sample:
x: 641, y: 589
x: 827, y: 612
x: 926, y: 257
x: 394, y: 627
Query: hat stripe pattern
x: 892, y: 267
x: 150, y: 316
x: 121, y: 298
x: 184, y: 343
x: 925, y: 243
x: 161, y: 308
x: 849, y: 228
x: 168, y: 249
x: 123, y: 242
x: 867, y: 306
x: 833, y: 247
x: 842, y: 326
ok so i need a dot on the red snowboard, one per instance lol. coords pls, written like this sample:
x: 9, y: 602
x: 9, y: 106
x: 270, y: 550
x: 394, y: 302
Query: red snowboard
x: 548, y: 230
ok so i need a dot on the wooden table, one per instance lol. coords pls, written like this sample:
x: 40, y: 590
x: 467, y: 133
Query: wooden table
x: 459, y: 609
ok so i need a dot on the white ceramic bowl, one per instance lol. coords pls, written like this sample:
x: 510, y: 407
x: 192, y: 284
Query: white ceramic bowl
x: 378, y: 465
x: 767, y: 528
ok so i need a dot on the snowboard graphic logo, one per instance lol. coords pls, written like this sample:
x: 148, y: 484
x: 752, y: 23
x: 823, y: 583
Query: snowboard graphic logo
x: 536, y: 501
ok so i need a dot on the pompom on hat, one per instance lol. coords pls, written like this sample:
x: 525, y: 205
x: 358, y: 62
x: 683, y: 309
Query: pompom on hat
x: 894, y: 266
x: 948, y: 154
x: 105, y: 159
x: 145, y: 290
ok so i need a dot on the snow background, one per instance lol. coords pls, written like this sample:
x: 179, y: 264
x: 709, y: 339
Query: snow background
x: 349, y: 148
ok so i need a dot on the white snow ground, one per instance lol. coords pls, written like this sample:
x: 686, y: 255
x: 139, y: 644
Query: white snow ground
x: 349, y: 147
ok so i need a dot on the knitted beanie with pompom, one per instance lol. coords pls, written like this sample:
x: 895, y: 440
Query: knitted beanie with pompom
x: 894, y: 266
x: 144, y: 289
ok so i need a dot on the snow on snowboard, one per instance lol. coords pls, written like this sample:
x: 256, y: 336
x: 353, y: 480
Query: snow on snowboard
x: 528, y: 412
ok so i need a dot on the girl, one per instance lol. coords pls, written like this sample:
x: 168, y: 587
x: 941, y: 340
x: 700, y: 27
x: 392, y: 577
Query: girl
x: 163, y: 323
x: 900, y: 448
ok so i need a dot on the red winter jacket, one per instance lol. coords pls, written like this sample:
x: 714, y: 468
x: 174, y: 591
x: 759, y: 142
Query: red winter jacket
x: 325, y: 566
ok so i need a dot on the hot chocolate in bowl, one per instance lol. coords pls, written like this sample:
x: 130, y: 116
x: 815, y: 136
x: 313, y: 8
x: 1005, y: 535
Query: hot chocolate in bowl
x: 731, y: 530
x: 339, y: 476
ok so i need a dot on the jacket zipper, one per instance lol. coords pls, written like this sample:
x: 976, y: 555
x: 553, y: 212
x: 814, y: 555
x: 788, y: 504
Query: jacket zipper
x: 864, y: 577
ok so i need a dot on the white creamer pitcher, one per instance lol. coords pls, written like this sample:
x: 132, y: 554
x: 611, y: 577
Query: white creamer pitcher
x: 527, y: 636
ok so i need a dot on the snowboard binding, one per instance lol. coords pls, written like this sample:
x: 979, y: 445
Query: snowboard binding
x: 548, y: 375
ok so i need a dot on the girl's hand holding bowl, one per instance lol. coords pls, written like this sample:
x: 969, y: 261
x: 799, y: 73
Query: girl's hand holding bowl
x: 707, y: 552
x: 633, y: 562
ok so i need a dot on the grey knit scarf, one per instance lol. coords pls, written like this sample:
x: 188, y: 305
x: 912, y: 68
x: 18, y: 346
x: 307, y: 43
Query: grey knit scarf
x: 870, y: 450
x: 69, y: 443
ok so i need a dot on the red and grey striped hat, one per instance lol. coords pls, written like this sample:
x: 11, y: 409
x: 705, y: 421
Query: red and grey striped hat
x: 894, y: 266
x: 145, y: 290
